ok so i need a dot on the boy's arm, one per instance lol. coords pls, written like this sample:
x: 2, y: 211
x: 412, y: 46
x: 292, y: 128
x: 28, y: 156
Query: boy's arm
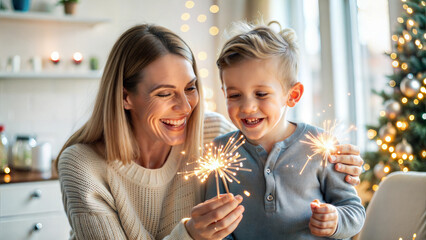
x: 344, y: 197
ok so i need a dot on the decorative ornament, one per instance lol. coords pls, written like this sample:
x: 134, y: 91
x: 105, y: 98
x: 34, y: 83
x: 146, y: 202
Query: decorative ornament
x: 410, y: 86
x: 54, y: 57
x: 77, y: 58
x: 379, y: 170
x: 387, y: 132
x: 392, y: 109
x: 403, y: 148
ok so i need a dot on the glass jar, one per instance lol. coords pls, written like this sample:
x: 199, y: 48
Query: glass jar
x: 21, y: 152
x: 3, y: 149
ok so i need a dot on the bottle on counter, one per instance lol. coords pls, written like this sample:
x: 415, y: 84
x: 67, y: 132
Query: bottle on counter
x: 22, y: 152
x: 4, y: 150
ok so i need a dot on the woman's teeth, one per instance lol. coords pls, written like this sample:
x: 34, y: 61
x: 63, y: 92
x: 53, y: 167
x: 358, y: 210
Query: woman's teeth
x: 174, y: 123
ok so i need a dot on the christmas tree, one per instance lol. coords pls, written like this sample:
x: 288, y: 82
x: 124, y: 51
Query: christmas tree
x: 401, y: 133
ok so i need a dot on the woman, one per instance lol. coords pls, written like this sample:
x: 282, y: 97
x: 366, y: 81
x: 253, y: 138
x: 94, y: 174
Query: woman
x: 118, y: 173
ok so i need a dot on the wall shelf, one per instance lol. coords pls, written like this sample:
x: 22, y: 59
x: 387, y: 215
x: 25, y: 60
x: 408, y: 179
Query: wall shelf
x: 47, y: 17
x: 31, y: 75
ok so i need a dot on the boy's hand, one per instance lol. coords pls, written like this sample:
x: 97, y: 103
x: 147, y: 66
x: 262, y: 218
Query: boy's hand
x: 348, y: 161
x: 324, y: 219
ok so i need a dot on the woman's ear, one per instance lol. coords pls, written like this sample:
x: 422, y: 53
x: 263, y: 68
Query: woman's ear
x: 295, y: 94
x: 126, y: 100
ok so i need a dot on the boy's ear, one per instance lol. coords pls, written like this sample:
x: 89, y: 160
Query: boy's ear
x: 295, y: 94
x: 126, y: 100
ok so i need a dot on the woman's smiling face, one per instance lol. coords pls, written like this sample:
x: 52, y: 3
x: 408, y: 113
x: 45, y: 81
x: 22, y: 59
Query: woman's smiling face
x: 164, y: 100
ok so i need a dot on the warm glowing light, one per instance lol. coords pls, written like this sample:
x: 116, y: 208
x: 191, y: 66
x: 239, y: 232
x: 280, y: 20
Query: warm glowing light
x: 400, y: 161
x: 404, y: 100
x: 393, y: 55
x: 393, y: 155
x: 420, y: 95
x: 184, y: 28
x: 201, y: 18
x: 404, y: 156
x: 366, y: 167
x: 379, y: 142
x: 404, y: 66
x: 375, y: 187
x: 410, y: 22
x: 388, y: 139
x: 371, y: 133
x: 401, y: 40
x: 382, y: 113
x: 417, y: 42
x: 247, y: 193
x: 391, y: 149
x: 423, y: 89
x: 202, y: 56
x: 183, y: 152
x: 189, y: 4
x: 6, y: 170
x: 386, y: 169
x: 77, y: 57
x: 409, y: 10
x: 7, y: 178
x: 214, y: 8
x: 407, y: 37
x: 424, y: 153
x: 420, y: 46
x: 424, y: 116
x: 416, y: 101
x: 384, y: 146
x: 402, y: 125
x: 400, y: 20
x: 405, y: 169
x: 394, y: 38
x: 411, y: 117
x: 414, y: 31
x: 392, y: 83
x: 54, y: 57
x: 411, y: 158
x: 349, y: 93
x: 185, y: 16
x: 395, y: 64
x: 214, y: 31
x: 204, y: 72
x: 405, y: 6
x: 324, y: 143
x: 223, y: 161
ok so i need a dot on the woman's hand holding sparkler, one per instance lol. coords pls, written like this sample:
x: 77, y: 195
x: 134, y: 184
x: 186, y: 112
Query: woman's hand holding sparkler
x: 215, y: 218
x: 348, y: 160
x: 324, y: 219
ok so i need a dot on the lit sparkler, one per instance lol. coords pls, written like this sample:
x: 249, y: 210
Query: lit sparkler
x: 224, y: 161
x: 323, y: 143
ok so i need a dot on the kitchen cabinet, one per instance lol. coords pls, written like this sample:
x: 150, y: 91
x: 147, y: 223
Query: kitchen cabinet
x: 32, y: 210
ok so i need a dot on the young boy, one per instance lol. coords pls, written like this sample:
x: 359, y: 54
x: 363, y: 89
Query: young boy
x: 258, y: 69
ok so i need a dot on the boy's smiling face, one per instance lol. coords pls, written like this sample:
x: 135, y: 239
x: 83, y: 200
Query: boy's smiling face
x: 256, y: 100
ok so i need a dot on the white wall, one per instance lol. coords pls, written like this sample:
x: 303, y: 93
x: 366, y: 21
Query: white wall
x: 52, y: 109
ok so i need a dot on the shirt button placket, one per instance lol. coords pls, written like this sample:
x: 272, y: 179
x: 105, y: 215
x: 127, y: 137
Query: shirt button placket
x: 270, y: 198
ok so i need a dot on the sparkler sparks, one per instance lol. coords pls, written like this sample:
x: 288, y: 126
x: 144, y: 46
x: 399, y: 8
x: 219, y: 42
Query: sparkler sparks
x: 223, y: 161
x: 324, y: 143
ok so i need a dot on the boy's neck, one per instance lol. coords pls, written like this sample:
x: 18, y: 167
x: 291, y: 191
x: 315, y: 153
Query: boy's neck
x: 280, y: 133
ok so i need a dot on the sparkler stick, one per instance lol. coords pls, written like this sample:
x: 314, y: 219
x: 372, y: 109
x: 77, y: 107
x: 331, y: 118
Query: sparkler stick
x: 223, y: 161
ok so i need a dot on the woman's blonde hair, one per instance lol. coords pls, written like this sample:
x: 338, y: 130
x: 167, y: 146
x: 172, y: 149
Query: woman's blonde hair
x: 110, y: 124
x: 262, y: 42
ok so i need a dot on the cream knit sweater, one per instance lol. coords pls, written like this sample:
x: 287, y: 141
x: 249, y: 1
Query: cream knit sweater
x: 115, y: 201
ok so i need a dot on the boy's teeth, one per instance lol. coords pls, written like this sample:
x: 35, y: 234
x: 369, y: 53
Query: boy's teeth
x: 252, y: 120
x: 173, y: 122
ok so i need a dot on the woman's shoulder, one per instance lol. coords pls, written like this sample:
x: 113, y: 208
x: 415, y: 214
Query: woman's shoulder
x: 215, y: 125
x: 81, y: 158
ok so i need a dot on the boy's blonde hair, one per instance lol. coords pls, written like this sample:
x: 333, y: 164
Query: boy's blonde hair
x: 262, y: 42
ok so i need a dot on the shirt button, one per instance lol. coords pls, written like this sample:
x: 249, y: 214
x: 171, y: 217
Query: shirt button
x: 270, y: 197
x: 268, y: 170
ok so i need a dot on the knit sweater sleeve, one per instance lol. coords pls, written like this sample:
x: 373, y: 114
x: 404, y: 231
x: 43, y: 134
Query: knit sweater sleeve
x: 344, y: 197
x: 87, y: 201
